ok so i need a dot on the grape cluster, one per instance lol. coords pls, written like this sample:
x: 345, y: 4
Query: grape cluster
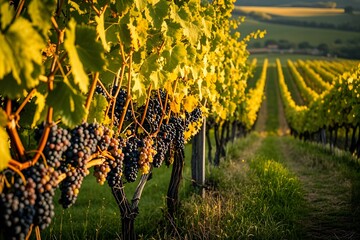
x: 84, y: 140
x: 163, y: 142
x: 120, y: 105
x: 194, y: 116
x: 17, y: 207
x: 57, y: 143
x: 23, y: 204
x: 179, y: 127
x: 146, y: 155
x: 116, y: 164
x: 131, y: 158
x: 153, y: 114
x: 45, y: 179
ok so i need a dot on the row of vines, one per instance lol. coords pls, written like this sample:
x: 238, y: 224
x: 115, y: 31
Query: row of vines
x: 336, y: 105
x: 119, y: 86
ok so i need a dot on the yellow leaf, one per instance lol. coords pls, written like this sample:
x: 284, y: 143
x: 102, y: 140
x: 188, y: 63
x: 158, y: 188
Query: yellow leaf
x: 4, y: 150
x: 190, y: 103
x: 175, y: 107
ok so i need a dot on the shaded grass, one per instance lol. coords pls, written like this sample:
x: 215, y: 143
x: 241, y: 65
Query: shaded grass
x: 332, y: 184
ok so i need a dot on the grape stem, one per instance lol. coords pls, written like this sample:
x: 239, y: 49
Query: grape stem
x: 23, y: 104
x: 146, y: 106
x: 18, y: 172
x: 113, y: 99
x: 51, y: 76
x: 104, y: 88
x: 128, y: 97
x: 29, y: 232
x: 19, y: 8
x: 91, y: 94
x: 135, y: 120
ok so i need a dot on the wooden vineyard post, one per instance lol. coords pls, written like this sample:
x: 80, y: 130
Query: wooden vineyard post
x: 198, y: 160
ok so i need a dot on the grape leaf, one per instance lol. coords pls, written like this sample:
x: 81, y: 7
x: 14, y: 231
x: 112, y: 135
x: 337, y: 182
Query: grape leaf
x: 68, y: 104
x: 158, y: 13
x: 20, y: 58
x: 190, y: 103
x: 138, y: 89
x: 140, y: 4
x: 175, y: 57
x: 5, y: 156
x: 122, y: 6
x: 84, y: 53
x: 40, y: 12
x: 40, y: 106
x: 100, y: 28
x: 97, y: 109
x: 6, y: 14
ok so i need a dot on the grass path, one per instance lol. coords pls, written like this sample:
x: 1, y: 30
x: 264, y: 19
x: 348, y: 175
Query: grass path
x: 331, y: 190
x: 331, y: 213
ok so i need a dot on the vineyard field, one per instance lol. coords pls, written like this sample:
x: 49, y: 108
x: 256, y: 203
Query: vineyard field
x: 150, y: 120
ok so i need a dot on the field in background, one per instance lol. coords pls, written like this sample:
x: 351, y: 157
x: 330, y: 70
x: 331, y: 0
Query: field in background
x: 291, y: 11
x: 295, y: 34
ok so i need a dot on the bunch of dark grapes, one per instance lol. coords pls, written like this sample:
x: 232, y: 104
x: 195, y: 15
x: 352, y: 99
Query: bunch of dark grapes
x: 131, y: 158
x: 70, y: 186
x: 84, y: 142
x: 116, y: 164
x: 45, y: 179
x: 162, y: 142
x: 120, y: 105
x: 100, y: 90
x: 17, y: 207
x: 56, y: 145
x: 194, y: 116
x: 153, y: 114
x: 178, y: 125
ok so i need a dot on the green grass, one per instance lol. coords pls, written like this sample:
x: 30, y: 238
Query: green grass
x: 95, y: 215
x: 251, y: 83
x: 314, y: 36
x: 283, y: 57
x: 272, y: 123
x: 295, y: 93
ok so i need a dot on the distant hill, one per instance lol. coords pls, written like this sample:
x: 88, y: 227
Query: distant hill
x: 311, y: 3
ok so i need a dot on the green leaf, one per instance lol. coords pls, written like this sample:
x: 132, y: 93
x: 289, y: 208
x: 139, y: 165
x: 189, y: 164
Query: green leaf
x: 84, y: 53
x: 100, y: 29
x: 40, y: 106
x: 40, y: 12
x: 68, y: 104
x: 123, y: 6
x: 20, y: 58
x: 3, y: 118
x: 177, y: 56
x: 159, y: 12
x: 138, y: 89
x: 150, y: 65
x: 97, y: 109
x: 5, y: 156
